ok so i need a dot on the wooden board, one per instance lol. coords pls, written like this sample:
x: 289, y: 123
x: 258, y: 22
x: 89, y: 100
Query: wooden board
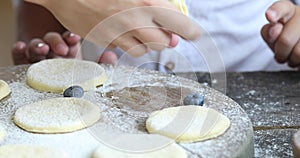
x: 119, y: 114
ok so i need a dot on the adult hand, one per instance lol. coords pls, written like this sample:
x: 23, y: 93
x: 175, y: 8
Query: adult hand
x: 133, y: 30
x: 282, y: 34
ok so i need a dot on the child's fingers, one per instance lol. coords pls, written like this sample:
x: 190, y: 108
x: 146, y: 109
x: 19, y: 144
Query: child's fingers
x: 275, y: 31
x: 37, y: 50
x: 19, y: 53
x: 287, y: 40
x: 74, y: 51
x: 108, y: 57
x: 265, y: 35
x: 294, y: 60
x: 174, y: 40
x: 57, y: 45
x: 73, y: 41
x: 270, y: 33
x: 280, y: 11
x: 71, y: 38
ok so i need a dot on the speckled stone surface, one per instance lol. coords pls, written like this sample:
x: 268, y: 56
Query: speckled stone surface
x: 273, y: 143
x: 122, y: 115
x: 272, y: 101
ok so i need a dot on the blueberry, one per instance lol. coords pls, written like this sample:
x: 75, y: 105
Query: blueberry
x: 74, y: 91
x: 194, y: 99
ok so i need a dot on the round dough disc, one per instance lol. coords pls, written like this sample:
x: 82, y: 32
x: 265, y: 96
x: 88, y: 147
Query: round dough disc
x: 29, y: 151
x: 56, y: 75
x: 4, y: 89
x: 140, y: 146
x: 58, y: 115
x: 188, y: 123
x: 2, y: 133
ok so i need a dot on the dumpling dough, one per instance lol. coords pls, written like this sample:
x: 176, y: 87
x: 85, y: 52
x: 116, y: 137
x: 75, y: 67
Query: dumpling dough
x: 188, y: 123
x: 29, y: 151
x: 140, y: 146
x: 56, y: 75
x: 4, y: 89
x: 58, y: 115
x: 2, y: 133
x: 180, y: 4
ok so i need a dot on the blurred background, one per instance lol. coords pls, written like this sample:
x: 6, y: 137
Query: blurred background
x: 6, y: 32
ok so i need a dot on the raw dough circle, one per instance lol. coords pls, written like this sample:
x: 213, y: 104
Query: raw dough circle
x: 140, y: 146
x: 188, y: 123
x: 56, y: 75
x: 58, y: 115
x: 29, y: 151
x: 2, y: 133
x: 4, y: 89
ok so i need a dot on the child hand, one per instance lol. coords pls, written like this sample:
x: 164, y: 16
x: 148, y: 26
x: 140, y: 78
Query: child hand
x: 51, y: 46
x: 54, y: 45
x: 282, y: 34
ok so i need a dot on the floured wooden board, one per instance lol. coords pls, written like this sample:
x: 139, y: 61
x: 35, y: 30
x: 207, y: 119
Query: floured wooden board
x: 129, y: 98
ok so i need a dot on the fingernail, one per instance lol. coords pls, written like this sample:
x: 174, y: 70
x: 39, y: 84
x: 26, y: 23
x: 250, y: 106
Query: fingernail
x: 71, y: 34
x: 272, y: 15
x: 174, y: 41
x: 39, y: 45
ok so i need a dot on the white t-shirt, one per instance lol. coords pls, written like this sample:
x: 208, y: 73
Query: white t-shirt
x: 233, y: 42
